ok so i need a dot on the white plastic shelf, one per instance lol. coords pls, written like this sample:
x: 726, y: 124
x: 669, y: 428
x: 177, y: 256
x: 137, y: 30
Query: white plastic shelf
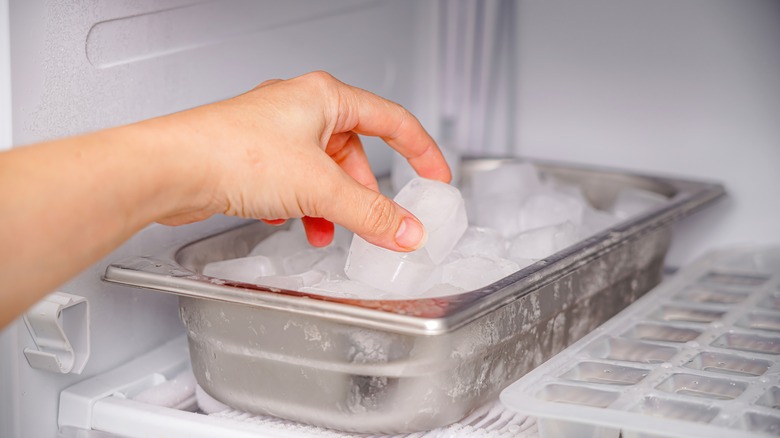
x: 108, y: 406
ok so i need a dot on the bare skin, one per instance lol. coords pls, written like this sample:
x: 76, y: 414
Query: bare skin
x: 286, y: 149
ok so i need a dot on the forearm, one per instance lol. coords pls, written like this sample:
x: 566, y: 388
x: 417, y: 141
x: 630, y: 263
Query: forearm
x: 65, y: 204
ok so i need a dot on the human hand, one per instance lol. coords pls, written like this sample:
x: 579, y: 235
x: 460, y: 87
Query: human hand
x: 290, y: 148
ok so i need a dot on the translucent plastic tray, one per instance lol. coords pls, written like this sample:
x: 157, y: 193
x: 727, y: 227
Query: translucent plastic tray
x: 697, y: 356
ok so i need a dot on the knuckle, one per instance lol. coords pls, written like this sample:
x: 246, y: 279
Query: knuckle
x: 321, y: 78
x: 403, y: 118
x: 326, y: 86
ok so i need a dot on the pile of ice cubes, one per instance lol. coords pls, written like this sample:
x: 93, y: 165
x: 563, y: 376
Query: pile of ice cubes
x: 509, y: 218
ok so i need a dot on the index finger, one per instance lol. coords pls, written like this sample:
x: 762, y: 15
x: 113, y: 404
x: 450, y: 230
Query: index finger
x: 366, y: 113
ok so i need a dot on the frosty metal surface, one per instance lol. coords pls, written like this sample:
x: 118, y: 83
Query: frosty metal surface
x: 407, y: 365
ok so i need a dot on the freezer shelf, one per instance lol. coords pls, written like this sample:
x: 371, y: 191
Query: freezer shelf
x: 103, y: 407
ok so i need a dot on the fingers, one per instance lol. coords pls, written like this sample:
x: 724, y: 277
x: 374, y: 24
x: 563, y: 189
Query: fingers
x: 369, y: 114
x: 347, y: 151
x: 373, y: 216
x: 274, y: 221
x: 319, y: 231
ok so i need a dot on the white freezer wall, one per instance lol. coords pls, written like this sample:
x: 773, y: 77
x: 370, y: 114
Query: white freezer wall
x: 82, y: 65
x: 683, y: 87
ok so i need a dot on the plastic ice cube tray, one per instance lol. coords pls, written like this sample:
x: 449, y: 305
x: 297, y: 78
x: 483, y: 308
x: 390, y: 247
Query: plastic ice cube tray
x: 698, y: 356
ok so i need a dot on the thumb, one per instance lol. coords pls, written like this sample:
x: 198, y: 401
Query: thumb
x: 375, y: 218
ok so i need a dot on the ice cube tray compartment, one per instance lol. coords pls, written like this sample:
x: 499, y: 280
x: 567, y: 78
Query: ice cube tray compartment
x: 729, y: 364
x: 711, y: 295
x: 676, y: 409
x: 686, y: 314
x: 733, y: 279
x: 698, y: 356
x: 699, y: 386
x: 767, y: 424
x: 578, y: 395
x: 605, y: 373
x: 771, y: 398
x: 663, y: 333
x: 626, y: 350
x: 761, y: 321
x: 771, y: 302
x: 749, y: 342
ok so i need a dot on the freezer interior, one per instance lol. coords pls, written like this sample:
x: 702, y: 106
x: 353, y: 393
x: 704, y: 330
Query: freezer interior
x: 687, y: 89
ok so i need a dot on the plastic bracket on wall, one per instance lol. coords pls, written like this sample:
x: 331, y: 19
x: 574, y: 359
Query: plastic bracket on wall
x: 59, y: 325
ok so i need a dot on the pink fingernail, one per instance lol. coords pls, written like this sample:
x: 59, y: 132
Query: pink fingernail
x: 411, y: 234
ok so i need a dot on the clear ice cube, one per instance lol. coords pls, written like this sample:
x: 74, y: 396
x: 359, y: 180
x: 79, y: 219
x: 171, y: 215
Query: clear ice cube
x: 293, y: 282
x: 342, y: 237
x: 539, y: 243
x: 245, y: 269
x: 333, y: 263
x: 595, y: 221
x: 283, y: 243
x: 470, y: 273
x: 550, y: 208
x: 397, y: 272
x: 441, y: 209
x: 442, y: 290
x: 501, y: 213
x: 519, y: 180
x: 346, y: 289
x: 309, y: 258
x: 481, y: 241
x: 632, y: 201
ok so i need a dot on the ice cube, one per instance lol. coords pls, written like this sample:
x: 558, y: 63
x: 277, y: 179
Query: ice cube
x: 441, y: 209
x: 346, y: 289
x: 306, y: 259
x: 245, y: 269
x: 283, y: 243
x: 342, y: 237
x: 595, y: 221
x: 442, y: 290
x: 550, y: 208
x: 501, y: 213
x: 481, y: 241
x: 402, y: 172
x: 566, y: 189
x: 631, y: 202
x: 397, y: 272
x: 293, y: 282
x: 519, y: 180
x: 333, y: 263
x: 470, y: 273
x: 539, y: 243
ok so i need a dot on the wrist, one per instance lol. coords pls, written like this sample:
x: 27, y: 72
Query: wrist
x: 171, y: 172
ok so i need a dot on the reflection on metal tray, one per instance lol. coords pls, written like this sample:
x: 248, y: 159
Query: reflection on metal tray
x: 407, y: 365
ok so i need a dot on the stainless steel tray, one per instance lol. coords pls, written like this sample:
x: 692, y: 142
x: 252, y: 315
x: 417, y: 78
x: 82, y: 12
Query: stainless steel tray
x: 409, y: 365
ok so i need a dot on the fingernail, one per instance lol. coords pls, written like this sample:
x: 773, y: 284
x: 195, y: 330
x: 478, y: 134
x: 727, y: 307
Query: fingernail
x: 411, y: 234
